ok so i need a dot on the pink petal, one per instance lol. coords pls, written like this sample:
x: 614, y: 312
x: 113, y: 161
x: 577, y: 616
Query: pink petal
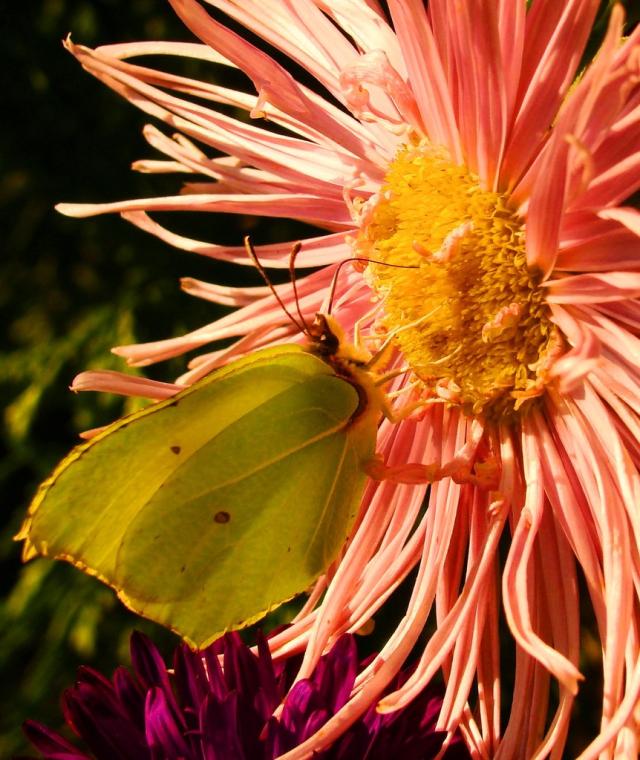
x: 300, y: 31
x: 600, y: 287
x: 601, y: 248
x: 555, y: 36
x: 316, y: 251
x: 546, y: 207
x: 426, y: 74
x: 518, y: 582
x: 222, y: 294
x: 364, y: 21
x: 273, y: 82
x: 481, y: 107
x: 331, y: 213
x: 108, y: 381
x: 626, y: 215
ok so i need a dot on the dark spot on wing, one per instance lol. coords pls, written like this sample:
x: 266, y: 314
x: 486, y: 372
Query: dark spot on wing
x: 175, y: 449
x: 221, y: 517
x: 183, y: 568
x: 174, y: 403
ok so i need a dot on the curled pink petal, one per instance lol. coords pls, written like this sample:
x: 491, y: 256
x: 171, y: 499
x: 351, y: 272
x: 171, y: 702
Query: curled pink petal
x: 108, y: 381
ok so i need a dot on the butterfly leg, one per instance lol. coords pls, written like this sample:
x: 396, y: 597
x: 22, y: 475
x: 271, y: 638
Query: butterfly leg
x: 481, y: 474
x: 402, y: 412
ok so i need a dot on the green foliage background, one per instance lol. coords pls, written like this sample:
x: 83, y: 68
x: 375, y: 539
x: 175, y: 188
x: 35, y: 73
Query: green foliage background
x: 69, y: 291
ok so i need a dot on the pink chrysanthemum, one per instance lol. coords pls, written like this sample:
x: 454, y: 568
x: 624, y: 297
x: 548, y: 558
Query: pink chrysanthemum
x: 465, y: 143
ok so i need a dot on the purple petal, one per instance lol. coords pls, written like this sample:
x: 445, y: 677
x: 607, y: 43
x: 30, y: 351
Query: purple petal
x: 341, y: 671
x: 270, y: 693
x: 152, y: 671
x: 164, y: 734
x: 147, y: 661
x: 220, y: 734
x: 240, y: 666
x: 276, y: 739
x: 313, y: 723
x: 297, y: 706
x: 50, y: 743
x: 192, y: 683
x: 130, y: 695
x: 93, y: 678
x: 101, y: 721
x: 217, y: 683
x: 356, y: 742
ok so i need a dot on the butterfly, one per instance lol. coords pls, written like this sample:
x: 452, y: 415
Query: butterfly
x: 207, y: 510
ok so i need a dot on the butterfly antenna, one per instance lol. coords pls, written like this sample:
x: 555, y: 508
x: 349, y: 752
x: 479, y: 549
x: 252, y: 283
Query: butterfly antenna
x: 302, y: 325
x: 294, y: 282
x: 334, y: 282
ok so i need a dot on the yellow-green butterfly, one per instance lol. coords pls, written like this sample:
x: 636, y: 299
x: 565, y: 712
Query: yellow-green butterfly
x: 209, y: 509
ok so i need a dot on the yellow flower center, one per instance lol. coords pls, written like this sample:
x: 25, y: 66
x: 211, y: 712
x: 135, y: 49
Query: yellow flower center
x: 469, y: 315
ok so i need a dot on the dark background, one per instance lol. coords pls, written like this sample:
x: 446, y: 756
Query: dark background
x: 69, y: 290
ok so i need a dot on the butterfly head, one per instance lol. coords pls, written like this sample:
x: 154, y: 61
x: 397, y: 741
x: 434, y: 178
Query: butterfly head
x: 330, y: 343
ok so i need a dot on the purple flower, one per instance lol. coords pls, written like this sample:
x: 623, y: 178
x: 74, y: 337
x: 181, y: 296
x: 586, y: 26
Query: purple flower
x: 212, y: 708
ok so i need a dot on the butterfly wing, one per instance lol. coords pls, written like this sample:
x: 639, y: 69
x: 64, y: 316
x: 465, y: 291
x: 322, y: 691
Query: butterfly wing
x: 209, y: 509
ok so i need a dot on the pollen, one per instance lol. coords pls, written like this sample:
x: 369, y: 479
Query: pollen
x: 468, y: 314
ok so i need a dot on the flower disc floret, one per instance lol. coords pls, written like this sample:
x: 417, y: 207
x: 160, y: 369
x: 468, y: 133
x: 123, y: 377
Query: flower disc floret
x: 470, y: 317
